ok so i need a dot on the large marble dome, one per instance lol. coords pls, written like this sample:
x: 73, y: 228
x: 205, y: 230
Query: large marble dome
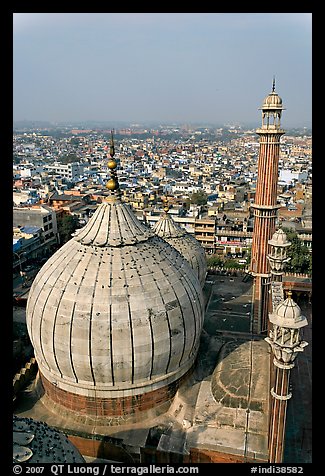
x: 115, y: 314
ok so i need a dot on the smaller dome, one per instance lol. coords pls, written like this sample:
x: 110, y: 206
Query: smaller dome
x: 36, y: 442
x: 187, y: 245
x: 288, y: 314
x: 288, y: 309
x: 279, y: 238
x: 272, y: 101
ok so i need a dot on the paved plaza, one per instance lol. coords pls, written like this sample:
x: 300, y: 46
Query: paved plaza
x: 230, y: 304
x: 227, y: 315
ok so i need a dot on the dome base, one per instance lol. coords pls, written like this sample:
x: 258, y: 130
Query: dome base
x: 108, y: 411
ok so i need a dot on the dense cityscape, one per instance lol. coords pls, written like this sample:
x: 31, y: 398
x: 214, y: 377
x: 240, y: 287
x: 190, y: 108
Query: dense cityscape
x: 207, y: 174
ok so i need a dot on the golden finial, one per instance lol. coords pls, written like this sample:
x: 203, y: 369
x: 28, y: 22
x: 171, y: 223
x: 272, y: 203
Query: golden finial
x: 166, y: 204
x: 112, y: 164
x: 289, y: 294
x: 112, y: 184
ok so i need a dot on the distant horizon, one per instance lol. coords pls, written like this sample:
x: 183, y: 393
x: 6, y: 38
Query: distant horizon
x: 194, y: 68
x: 125, y: 123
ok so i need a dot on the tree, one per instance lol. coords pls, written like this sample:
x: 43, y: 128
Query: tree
x: 68, y: 159
x: 66, y: 226
x: 214, y: 261
x: 217, y: 261
x: 199, y: 198
x: 301, y: 259
x: 233, y: 264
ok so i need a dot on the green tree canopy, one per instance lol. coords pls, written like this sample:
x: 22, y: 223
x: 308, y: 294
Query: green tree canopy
x: 218, y: 261
x: 68, y: 159
x: 199, y: 198
x: 214, y: 260
x: 299, y: 254
x: 232, y: 264
x: 66, y: 226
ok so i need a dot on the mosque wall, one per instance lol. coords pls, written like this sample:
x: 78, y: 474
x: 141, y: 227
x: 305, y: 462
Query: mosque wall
x: 113, y: 449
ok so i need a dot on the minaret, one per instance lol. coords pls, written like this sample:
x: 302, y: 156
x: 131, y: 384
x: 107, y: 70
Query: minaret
x: 285, y: 341
x: 265, y: 206
x: 277, y: 258
x: 278, y: 255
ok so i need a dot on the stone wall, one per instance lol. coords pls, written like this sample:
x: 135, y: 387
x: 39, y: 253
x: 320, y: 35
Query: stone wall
x: 24, y: 376
x: 113, y: 449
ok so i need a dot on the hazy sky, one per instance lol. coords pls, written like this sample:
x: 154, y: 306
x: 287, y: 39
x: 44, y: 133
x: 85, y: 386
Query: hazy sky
x: 166, y: 67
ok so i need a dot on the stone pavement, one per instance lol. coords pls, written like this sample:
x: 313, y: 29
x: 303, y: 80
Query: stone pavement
x: 228, y: 314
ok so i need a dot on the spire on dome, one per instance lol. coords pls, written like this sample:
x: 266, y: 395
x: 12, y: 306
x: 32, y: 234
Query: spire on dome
x: 273, y: 85
x: 112, y: 149
x: 112, y: 184
x: 166, y: 203
x: 289, y: 294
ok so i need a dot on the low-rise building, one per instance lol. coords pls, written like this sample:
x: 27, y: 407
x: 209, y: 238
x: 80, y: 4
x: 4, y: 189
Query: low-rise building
x: 37, y: 225
x: 70, y: 171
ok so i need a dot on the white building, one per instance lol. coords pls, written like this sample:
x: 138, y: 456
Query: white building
x: 70, y: 171
x: 288, y: 176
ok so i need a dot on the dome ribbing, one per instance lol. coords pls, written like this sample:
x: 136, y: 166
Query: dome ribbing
x: 186, y: 244
x: 116, y: 311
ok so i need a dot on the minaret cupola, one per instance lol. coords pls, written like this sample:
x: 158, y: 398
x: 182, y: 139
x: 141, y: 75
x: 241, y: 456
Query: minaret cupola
x: 271, y: 110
